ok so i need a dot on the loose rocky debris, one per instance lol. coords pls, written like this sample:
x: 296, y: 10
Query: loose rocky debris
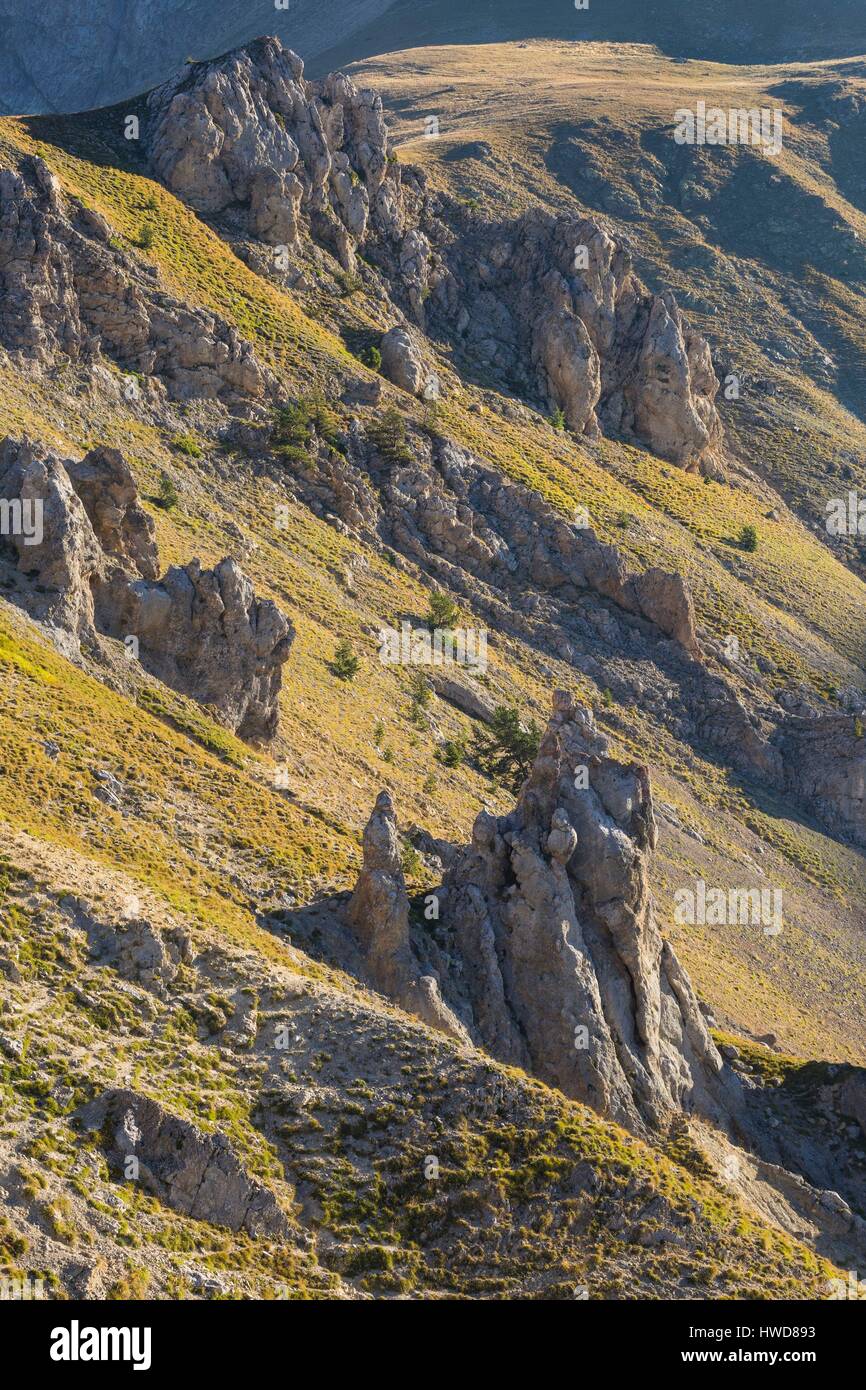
x: 139, y: 951
x: 192, y: 1172
x: 93, y: 572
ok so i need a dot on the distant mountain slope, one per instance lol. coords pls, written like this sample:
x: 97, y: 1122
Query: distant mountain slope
x: 56, y: 60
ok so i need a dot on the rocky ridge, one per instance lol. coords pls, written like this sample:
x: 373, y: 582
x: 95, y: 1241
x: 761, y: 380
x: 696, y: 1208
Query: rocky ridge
x: 71, y: 294
x: 550, y: 305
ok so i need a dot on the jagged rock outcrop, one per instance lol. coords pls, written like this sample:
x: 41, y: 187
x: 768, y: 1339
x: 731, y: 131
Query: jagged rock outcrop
x: 552, y: 302
x: 194, y: 1173
x: 67, y: 293
x: 205, y: 633
x: 103, y: 481
x: 378, y: 914
x: 92, y: 570
x: 565, y: 969
x: 249, y: 133
x: 549, y: 303
x: 75, y: 539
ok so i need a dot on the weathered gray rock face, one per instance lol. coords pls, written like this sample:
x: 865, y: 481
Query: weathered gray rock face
x: 507, y: 535
x: 194, y: 1173
x: 553, y: 302
x: 93, y: 571
x: 564, y: 964
x: 378, y: 914
x: 248, y: 132
x: 825, y: 767
x: 67, y: 294
x: 205, y: 633
x: 50, y: 569
x: 103, y: 481
x: 402, y: 361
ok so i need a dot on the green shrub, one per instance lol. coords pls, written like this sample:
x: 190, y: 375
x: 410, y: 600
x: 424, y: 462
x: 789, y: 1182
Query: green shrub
x: 187, y: 444
x: 372, y: 358
x: 749, y: 538
x: 349, y: 283
x: 293, y: 427
x: 389, y: 437
x: 168, y: 496
x: 452, y: 752
x: 291, y: 431
x: 345, y: 663
x: 507, y: 750
x: 410, y: 861
x: 557, y: 419
x: 145, y: 238
x: 443, y: 612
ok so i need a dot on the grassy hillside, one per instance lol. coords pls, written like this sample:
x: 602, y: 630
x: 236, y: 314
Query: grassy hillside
x: 215, y: 837
x: 791, y: 602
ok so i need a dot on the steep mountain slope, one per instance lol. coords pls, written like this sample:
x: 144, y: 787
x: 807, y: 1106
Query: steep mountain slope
x: 116, y: 49
x: 764, y: 253
x: 246, y: 384
x: 398, y: 1163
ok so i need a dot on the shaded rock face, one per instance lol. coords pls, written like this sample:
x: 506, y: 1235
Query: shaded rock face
x: 194, y: 1173
x: 825, y: 766
x: 94, y: 571
x: 565, y: 969
x: 555, y: 298
x: 378, y: 914
x: 549, y: 303
x: 67, y: 294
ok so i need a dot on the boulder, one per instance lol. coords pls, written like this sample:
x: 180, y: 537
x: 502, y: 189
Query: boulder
x: 463, y: 695
x: 402, y: 362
